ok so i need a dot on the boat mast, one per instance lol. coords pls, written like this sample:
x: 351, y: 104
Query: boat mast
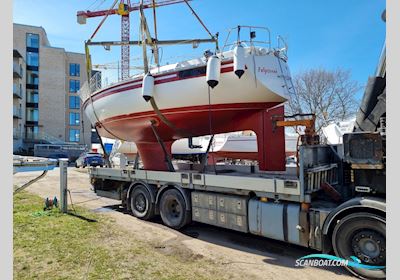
x: 146, y: 36
x: 143, y: 35
x: 156, y: 58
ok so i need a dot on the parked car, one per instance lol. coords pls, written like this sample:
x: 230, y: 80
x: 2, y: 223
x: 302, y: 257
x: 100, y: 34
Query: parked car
x: 89, y: 159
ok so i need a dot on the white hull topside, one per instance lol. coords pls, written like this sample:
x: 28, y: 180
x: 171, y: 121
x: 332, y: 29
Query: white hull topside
x: 266, y: 79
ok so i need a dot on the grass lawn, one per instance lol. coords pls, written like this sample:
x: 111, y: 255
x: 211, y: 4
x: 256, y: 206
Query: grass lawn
x: 51, y: 245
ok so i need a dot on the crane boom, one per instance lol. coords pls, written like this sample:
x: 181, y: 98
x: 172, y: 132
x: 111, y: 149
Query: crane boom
x: 82, y: 15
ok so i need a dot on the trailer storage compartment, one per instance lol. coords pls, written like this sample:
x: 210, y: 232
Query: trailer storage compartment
x: 227, y: 211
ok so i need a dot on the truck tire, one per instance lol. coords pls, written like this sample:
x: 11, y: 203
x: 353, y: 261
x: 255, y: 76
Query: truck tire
x: 140, y: 203
x: 362, y: 235
x: 173, y: 209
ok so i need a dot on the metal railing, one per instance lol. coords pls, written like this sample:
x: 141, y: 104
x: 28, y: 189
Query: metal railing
x: 280, y: 50
x: 17, y: 112
x: 252, y: 35
x: 84, y: 92
x: 17, y: 70
x: 17, y: 133
x: 16, y: 91
x: 42, y: 136
x: 95, y: 83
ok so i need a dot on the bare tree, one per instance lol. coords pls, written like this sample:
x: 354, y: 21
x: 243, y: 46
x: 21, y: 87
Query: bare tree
x: 330, y: 95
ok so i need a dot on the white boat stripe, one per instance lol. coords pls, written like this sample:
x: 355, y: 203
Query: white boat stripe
x: 165, y: 77
x: 180, y: 112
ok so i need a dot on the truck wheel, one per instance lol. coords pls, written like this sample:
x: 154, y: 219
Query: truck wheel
x: 362, y: 235
x: 173, y: 209
x: 141, y: 204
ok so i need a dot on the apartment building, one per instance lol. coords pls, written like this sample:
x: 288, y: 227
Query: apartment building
x: 47, y: 108
x: 18, y: 98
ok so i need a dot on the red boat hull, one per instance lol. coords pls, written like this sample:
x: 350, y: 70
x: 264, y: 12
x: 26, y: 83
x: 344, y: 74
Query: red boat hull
x: 198, y: 121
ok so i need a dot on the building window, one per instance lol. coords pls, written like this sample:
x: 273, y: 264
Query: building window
x: 74, y: 118
x: 32, y: 132
x: 32, y: 96
x: 74, y: 102
x: 32, y: 40
x: 74, y: 69
x: 74, y: 86
x: 32, y: 77
x: 32, y: 115
x: 32, y: 59
x: 74, y: 135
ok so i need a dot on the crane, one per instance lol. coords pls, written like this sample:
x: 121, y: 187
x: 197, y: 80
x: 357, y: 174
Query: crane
x: 124, y: 8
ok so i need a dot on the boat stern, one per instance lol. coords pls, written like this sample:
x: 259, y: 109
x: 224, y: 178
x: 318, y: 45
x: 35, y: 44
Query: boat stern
x: 272, y: 72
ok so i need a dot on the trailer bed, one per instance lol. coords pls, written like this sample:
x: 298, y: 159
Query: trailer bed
x: 277, y: 185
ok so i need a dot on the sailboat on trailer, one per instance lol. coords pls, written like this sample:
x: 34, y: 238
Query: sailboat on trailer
x: 239, y: 87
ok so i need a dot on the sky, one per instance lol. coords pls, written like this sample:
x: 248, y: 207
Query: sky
x: 333, y: 34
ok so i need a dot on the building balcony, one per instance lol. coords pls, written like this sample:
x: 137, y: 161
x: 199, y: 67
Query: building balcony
x: 16, y: 91
x: 16, y: 54
x: 17, y: 133
x: 17, y: 112
x: 41, y: 138
x: 17, y: 70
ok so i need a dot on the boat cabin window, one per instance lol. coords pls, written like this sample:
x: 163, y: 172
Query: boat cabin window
x: 192, y: 72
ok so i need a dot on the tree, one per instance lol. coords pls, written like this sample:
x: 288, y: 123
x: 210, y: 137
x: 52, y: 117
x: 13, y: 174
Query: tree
x: 330, y: 95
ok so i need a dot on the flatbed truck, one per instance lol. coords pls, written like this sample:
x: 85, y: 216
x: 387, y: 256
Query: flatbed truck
x: 333, y: 201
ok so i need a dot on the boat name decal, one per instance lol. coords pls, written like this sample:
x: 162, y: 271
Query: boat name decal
x: 266, y: 70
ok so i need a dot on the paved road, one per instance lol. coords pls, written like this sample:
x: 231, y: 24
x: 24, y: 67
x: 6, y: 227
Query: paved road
x: 248, y: 256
